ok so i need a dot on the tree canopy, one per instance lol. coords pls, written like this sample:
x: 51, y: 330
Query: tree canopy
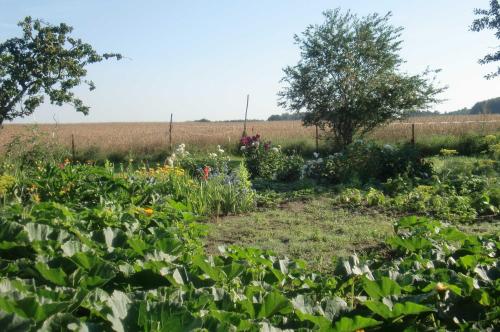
x: 490, y: 19
x: 45, y: 61
x: 349, y: 79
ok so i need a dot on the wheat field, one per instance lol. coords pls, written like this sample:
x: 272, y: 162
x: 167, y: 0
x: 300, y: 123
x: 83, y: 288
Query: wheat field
x: 151, y: 137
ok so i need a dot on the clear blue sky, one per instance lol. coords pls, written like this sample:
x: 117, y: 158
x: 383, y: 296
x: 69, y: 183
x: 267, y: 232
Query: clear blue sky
x: 199, y: 59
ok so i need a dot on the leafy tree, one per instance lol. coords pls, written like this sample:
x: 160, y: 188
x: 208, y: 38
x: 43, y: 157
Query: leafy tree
x: 45, y: 61
x: 490, y: 20
x: 349, y: 80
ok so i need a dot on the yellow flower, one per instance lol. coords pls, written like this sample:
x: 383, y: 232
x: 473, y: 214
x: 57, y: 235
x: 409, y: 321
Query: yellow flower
x: 440, y: 287
x: 148, y: 211
x: 36, y: 198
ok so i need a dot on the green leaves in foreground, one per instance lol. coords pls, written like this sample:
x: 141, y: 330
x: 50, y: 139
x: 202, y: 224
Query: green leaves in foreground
x: 107, y: 266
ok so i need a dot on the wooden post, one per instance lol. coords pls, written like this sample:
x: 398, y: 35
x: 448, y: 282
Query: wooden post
x: 73, y: 147
x: 170, y: 133
x: 317, y: 137
x: 245, y: 123
x: 413, y: 134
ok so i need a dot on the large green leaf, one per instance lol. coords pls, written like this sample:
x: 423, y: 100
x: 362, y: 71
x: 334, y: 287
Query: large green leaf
x: 273, y: 303
x: 381, y: 288
x: 56, y: 276
x: 346, y: 324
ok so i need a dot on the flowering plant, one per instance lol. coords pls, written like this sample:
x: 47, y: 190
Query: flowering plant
x: 262, y: 158
x: 202, y: 166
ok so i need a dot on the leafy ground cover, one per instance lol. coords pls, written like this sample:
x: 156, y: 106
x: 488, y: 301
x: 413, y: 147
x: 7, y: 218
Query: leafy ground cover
x: 98, y: 248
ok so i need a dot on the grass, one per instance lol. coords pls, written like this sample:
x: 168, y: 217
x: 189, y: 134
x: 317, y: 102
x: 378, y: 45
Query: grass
x: 313, y: 230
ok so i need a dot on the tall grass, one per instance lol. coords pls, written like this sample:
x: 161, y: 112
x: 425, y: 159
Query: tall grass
x: 122, y: 141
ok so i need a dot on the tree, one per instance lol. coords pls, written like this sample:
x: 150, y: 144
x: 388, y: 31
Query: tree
x: 348, y: 79
x: 45, y: 61
x: 490, y: 20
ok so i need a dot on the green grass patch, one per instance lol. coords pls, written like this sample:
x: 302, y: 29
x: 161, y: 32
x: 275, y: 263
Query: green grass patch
x: 313, y: 230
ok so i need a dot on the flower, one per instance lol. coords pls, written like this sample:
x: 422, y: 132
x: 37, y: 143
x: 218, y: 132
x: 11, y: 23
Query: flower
x: 219, y: 149
x: 170, y: 162
x: 440, y: 287
x: 242, y: 148
x: 316, y: 155
x: 275, y: 149
x: 212, y: 155
x: 148, y: 211
x: 36, y: 198
x: 206, y: 172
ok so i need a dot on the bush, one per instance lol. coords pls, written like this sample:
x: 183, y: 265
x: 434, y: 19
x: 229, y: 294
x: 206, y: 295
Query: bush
x: 292, y: 168
x: 262, y: 159
x: 368, y: 161
x: 25, y: 151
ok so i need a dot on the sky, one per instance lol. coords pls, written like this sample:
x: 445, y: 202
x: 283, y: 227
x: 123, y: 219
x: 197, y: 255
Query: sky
x: 199, y: 59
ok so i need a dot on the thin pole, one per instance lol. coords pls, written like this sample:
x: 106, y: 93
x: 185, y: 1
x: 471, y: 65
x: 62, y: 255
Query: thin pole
x: 73, y: 147
x: 170, y: 132
x: 317, y: 134
x: 246, y: 113
x: 413, y: 134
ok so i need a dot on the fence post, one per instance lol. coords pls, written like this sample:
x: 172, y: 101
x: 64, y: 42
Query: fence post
x: 245, y: 123
x: 413, y: 134
x: 73, y: 147
x: 170, y: 133
x: 317, y: 134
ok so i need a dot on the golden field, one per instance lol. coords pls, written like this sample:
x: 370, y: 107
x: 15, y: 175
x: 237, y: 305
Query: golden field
x: 153, y: 137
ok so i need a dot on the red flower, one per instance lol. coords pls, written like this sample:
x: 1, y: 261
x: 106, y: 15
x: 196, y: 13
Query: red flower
x: 206, y: 172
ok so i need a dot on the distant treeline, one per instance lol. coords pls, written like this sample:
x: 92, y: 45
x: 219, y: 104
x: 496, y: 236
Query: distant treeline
x: 490, y: 106
x: 286, y: 116
x: 236, y: 120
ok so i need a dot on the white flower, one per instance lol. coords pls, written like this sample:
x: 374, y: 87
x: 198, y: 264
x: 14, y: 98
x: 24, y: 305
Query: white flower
x: 316, y: 155
x: 388, y: 147
x: 219, y: 149
x: 275, y: 149
x: 172, y: 156
x: 243, y: 147
x: 170, y: 162
x: 212, y: 155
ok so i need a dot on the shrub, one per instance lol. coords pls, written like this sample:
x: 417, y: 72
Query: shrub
x: 25, y: 151
x: 292, y: 168
x: 368, y: 161
x: 448, y: 152
x: 262, y: 159
x: 6, y: 183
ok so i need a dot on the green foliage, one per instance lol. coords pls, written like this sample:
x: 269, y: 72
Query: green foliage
x: 45, y: 61
x: 30, y: 149
x: 217, y: 162
x: 262, y: 159
x: 490, y: 19
x: 291, y: 169
x: 460, y: 192
x: 113, y: 251
x: 6, y: 183
x: 349, y: 79
x: 368, y: 161
x: 286, y: 117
